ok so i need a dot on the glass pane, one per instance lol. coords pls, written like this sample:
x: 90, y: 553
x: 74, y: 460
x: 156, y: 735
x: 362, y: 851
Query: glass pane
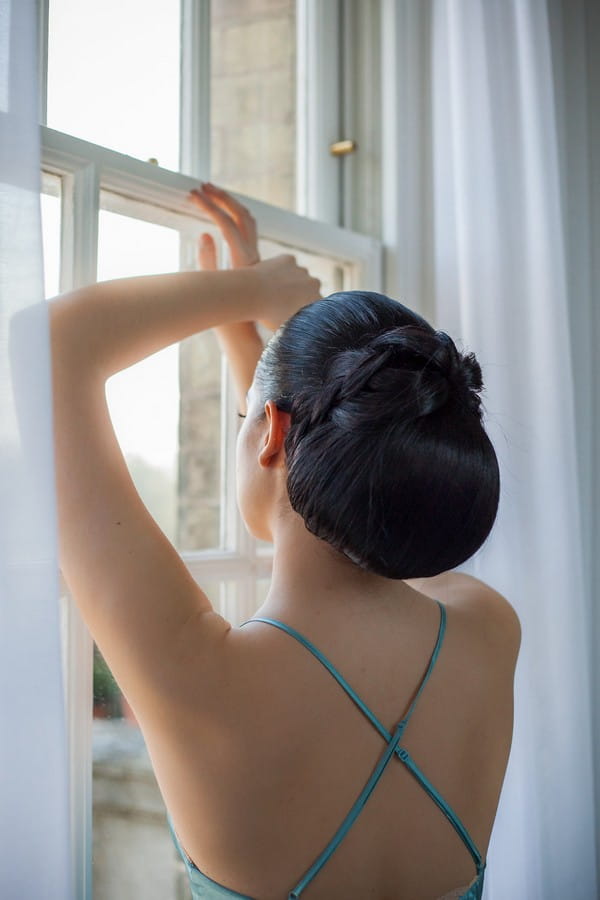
x: 50, y: 205
x: 144, y: 399
x: 113, y: 74
x: 199, y: 500
x: 253, y: 98
x: 132, y: 851
x: 166, y: 409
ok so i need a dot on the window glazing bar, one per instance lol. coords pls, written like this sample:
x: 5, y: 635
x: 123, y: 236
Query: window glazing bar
x: 79, y: 245
x: 318, y: 173
x: 361, y: 92
x: 194, y: 141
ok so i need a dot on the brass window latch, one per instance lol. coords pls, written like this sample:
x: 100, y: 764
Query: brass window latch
x: 342, y: 148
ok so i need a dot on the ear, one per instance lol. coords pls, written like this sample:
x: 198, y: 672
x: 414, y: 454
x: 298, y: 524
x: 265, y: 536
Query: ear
x: 272, y: 452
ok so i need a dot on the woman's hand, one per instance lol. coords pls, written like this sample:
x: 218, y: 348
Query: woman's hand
x: 235, y: 223
x: 240, y: 341
x: 288, y: 287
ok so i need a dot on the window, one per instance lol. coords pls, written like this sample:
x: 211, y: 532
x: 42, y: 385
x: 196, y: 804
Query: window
x: 182, y: 89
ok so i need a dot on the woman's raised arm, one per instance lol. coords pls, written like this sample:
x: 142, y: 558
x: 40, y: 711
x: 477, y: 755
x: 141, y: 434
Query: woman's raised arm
x: 141, y: 604
x: 111, y: 325
x: 240, y: 341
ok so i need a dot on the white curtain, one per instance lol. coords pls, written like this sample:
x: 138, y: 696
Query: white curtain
x: 479, y: 184
x: 34, y: 838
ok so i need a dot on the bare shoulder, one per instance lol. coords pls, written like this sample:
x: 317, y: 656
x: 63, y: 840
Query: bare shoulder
x: 484, y: 610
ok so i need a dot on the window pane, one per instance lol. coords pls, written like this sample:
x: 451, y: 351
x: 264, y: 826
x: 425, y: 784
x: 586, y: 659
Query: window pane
x: 144, y: 399
x: 50, y: 205
x: 113, y: 74
x: 253, y: 98
x: 166, y: 409
x: 199, y: 501
x: 132, y: 851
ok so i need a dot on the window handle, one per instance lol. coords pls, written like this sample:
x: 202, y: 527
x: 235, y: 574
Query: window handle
x: 342, y: 148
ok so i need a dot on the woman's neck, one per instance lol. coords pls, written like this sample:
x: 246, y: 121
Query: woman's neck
x: 311, y: 579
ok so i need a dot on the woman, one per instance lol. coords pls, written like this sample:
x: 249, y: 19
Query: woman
x: 363, y: 459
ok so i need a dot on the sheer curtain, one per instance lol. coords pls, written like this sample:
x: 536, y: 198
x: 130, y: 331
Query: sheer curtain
x: 482, y: 246
x: 34, y: 839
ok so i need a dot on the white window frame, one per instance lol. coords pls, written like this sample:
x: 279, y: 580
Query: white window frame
x: 85, y: 170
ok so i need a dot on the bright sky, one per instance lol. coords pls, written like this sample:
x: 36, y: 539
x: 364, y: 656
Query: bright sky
x: 113, y: 74
x: 113, y: 78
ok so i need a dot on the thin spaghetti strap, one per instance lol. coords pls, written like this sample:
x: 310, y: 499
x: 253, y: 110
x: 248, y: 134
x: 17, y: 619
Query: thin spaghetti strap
x: 330, y: 668
x: 432, y: 661
x: 342, y: 681
x: 356, y: 809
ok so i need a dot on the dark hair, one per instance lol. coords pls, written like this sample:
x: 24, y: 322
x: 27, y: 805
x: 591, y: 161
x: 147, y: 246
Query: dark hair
x: 387, y: 457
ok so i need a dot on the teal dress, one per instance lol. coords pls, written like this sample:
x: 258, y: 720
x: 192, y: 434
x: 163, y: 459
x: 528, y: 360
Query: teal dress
x: 204, y: 888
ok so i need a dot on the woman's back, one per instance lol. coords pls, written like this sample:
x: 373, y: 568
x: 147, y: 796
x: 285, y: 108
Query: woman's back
x: 256, y: 802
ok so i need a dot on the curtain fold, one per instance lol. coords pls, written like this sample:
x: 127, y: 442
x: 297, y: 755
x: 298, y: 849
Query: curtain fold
x: 492, y: 270
x: 501, y: 285
x: 34, y: 823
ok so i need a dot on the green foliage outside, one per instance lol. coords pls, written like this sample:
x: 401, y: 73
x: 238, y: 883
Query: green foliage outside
x: 107, y: 696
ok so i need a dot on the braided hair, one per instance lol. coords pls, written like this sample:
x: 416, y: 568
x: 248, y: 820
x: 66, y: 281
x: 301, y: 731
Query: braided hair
x: 387, y: 457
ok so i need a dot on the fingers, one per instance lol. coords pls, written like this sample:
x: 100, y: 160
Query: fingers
x: 230, y: 205
x: 218, y: 202
x: 225, y: 223
x: 315, y: 283
x: 207, y: 252
x: 233, y: 220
